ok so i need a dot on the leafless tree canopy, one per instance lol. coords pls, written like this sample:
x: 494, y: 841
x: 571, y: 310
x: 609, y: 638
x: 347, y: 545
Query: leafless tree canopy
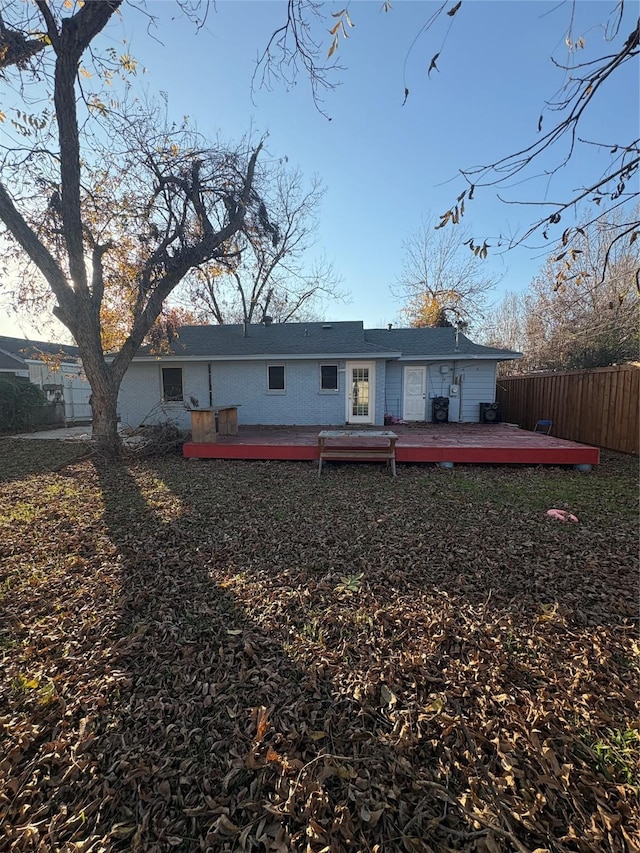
x: 584, y: 322
x: 441, y: 283
x: 269, y: 273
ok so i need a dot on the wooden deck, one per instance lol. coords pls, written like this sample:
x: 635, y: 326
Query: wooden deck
x: 456, y: 443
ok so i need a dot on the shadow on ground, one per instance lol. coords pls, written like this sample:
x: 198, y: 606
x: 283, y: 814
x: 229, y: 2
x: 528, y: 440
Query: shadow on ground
x: 20, y: 458
x: 244, y: 657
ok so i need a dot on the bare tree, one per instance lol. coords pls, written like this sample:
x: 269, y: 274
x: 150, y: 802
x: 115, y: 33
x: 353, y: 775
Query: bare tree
x: 268, y: 273
x: 504, y: 327
x: 614, y: 187
x: 441, y: 284
x: 582, y: 322
x: 106, y: 204
x: 589, y: 73
x: 585, y: 321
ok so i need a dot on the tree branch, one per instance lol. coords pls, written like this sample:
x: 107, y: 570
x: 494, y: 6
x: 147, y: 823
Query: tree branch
x: 41, y: 257
x: 16, y: 48
x: 75, y: 36
x: 177, y: 267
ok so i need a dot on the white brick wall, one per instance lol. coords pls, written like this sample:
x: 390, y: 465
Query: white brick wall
x: 244, y: 383
x: 140, y: 398
x: 302, y: 401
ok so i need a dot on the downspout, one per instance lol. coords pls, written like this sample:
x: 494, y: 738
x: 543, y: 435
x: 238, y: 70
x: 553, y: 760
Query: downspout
x: 454, y: 381
x: 210, y: 386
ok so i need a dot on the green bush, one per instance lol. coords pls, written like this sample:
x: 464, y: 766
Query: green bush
x: 20, y: 402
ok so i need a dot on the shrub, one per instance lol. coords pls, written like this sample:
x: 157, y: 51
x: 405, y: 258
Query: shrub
x: 20, y: 401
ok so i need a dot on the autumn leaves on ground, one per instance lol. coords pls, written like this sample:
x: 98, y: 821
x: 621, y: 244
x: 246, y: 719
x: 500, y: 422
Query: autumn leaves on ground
x: 241, y: 657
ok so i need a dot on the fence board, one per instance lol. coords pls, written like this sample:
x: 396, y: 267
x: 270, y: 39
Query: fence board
x: 615, y: 402
x: 597, y: 406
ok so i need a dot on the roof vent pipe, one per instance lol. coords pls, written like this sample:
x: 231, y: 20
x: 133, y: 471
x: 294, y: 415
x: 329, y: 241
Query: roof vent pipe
x: 389, y: 325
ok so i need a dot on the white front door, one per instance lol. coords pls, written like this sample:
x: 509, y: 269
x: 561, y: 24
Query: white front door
x: 360, y: 392
x: 415, y: 380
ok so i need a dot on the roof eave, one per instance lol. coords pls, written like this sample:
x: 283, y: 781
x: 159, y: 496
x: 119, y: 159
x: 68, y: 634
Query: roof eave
x: 312, y: 356
x: 464, y: 356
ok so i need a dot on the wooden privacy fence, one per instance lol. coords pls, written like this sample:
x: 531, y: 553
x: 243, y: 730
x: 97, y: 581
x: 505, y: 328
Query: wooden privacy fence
x: 598, y: 406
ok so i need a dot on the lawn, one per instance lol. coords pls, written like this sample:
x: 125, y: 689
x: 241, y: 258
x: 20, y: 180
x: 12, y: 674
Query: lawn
x: 238, y: 656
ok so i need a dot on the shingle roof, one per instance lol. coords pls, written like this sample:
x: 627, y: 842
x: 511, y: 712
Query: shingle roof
x: 434, y: 343
x: 33, y: 349
x: 277, y: 339
x: 346, y: 338
x: 11, y: 362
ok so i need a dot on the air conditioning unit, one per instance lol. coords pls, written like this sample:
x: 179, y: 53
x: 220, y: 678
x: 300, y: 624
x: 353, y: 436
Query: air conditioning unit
x: 489, y: 413
x: 440, y: 411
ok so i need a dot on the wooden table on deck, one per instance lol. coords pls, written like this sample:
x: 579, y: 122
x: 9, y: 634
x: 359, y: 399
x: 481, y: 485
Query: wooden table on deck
x: 227, y: 419
x: 203, y: 425
x: 337, y: 444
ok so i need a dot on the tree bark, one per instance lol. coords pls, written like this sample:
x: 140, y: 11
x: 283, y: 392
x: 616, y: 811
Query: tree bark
x: 104, y: 387
x: 104, y: 409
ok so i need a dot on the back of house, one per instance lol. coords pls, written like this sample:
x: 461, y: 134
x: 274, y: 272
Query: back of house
x: 321, y: 373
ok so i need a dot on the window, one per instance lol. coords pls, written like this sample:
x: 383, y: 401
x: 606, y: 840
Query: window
x: 328, y: 377
x: 172, y: 384
x: 275, y: 377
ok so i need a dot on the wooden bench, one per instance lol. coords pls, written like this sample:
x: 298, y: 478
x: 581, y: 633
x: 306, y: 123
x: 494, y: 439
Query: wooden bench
x: 353, y: 445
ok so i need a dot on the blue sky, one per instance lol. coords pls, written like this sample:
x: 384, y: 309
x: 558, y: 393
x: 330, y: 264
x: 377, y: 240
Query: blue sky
x: 386, y: 165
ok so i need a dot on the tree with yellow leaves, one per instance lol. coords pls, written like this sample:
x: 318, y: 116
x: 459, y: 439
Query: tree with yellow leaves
x: 107, y: 205
x: 441, y: 283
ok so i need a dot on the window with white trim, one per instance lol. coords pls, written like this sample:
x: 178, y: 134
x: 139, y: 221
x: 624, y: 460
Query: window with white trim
x: 172, y: 389
x: 275, y: 378
x: 328, y: 377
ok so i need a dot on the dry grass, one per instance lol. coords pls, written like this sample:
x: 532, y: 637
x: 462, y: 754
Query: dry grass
x: 239, y: 656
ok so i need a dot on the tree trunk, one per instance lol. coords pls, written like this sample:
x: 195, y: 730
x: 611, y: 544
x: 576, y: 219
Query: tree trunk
x: 104, y: 385
x: 104, y: 400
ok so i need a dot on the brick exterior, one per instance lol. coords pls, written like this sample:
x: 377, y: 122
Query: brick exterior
x: 303, y: 402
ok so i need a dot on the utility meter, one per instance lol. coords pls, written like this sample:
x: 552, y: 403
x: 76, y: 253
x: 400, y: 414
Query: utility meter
x: 453, y: 390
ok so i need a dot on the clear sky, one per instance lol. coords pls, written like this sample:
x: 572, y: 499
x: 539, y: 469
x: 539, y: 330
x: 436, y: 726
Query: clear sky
x: 386, y: 165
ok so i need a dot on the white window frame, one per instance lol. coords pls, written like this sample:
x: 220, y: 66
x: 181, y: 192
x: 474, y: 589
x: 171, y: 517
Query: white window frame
x: 282, y: 390
x: 162, y: 383
x: 335, y: 390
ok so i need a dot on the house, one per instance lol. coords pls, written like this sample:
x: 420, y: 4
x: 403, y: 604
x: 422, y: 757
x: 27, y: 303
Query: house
x: 312, y: 374
x: 54, y: 368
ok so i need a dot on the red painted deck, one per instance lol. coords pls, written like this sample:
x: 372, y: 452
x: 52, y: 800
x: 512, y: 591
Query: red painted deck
x: 463, y: 443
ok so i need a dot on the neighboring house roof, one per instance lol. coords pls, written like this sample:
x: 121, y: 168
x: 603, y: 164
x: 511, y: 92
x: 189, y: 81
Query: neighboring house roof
x: 12, y: 364
x: 277, y: 340
x: 26, y: 349
x: 320, y: 340
x: 435, y: 343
